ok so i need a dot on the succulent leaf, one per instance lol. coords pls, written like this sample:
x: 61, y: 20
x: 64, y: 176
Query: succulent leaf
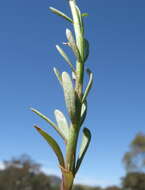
x: 72, y: 44
x: 62, y: 123
x: 58, y: 75
x: 83, y: 112
x: 84, y: 146
x: 88, y: 86
x: 48, y: 121
x: 59, y: 13
x: 53, y: 145
x: 69, y: 95
x: 63, y: 54
x: 80, y: 18
x: 86, y: 49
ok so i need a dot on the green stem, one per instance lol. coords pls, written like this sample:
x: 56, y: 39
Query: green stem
x: 80, y: 44
x: 71, y: 149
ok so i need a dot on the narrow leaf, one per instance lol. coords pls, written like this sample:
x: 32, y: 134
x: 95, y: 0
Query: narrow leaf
x: 84, y: 146
x: 59, y: 13
x: 89, y: 85
x: 73, y: 76
x: 48, y: 121
x: 63, y: 54
x: 62, y: 123
x: 84, y: 14
x: 87, y: 49
x: 72, y: 44
x: 53, y: 145
x: 83, y: 112
x: 69, y: 95
x: 58, y: 75
x: 80, y: 18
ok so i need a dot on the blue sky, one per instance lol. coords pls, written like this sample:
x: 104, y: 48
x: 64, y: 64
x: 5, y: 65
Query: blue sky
x: 28, y: 35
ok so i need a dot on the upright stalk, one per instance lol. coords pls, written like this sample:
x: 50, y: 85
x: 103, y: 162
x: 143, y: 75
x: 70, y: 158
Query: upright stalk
x: 75, y: 99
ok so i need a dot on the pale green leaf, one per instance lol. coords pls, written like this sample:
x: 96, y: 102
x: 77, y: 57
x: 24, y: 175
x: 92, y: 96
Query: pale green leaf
x: 59, y: 13
x: 84, y: 146
x: 83, y: 112
x: 80, y: 18
x: 88, y: 86
x: 72, y: 44
x: 53, y: 145
x: 63, y: 54
x: 48, y: 121
x: 58, y: 75
x: 62, y: 123
x: 69, y: 95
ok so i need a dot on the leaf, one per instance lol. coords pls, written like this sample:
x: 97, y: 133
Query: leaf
x: 62, y: 123
x: 84, y: 14
x: 88, y: 86
x: 59, y: 13
x: 83, y: 112
x: 48, y: 121
x: 86, y: 49
x: 84, y: 146
x: 72, y: 44
x: 63, y: 54
x: 53, y: 145
x: 58, y: 75
x: 69, y: 95
x: 80, y: 18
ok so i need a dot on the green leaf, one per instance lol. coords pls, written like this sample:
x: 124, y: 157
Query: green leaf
x: 80, y: 18
x: 58, y: 75
x: 83, y: 112
x: 69, y: 95
x: 62, y: 123
x: 48, y: 121
x: 53, y: 145
x: 72, y: 44
x: 87, y: 49
x: 84, y: 14
x: 59, y: 13
x: 88, y: 86
x: 84, y: 146
x: 63, y: 54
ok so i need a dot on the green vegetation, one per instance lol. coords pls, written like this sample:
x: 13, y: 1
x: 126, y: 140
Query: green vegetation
x: 134, y: 159
x: 24, y: 174
x: 75, y: 99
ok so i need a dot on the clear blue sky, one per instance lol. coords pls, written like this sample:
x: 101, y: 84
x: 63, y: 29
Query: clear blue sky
x: 28, y: 34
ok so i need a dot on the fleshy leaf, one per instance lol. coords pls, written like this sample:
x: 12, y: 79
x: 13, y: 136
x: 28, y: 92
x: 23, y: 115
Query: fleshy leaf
x: 48, y: 121
x: 87, y: 48
x: 83, y: 112
x: 59, y: 13
x: 63, y: 54
x: 69, y: 95
x: 72, y: 44
x: 80, y: 18
x: 58, y: 75
x: 62, y: 123
x: 84, y: 146
x: 53, y: 145
x: 89, y: 85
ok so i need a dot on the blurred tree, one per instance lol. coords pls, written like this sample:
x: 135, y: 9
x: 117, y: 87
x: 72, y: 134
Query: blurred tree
x: 113, y: 188
x: 134, y: 181
x: 134, y: 159
x: 22, y: 174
